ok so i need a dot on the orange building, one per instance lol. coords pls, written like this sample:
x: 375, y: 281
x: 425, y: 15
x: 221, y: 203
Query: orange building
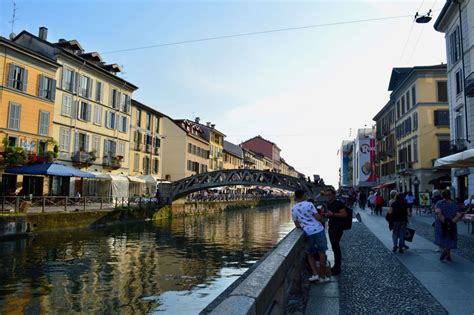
x: 27, y: 94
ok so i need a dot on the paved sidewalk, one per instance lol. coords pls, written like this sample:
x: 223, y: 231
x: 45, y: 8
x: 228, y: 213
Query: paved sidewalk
x: 451, y: 283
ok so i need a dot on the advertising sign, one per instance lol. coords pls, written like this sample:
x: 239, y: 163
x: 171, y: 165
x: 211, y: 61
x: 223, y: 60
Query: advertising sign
x: 366, y: 163
x: 424, y: 199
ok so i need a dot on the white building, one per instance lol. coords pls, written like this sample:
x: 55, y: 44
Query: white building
x: 364, y: 173
x: 456, y: 20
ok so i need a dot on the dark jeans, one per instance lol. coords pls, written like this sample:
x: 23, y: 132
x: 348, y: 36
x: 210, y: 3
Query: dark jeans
x: 398, y: 234
x: 335, y: 235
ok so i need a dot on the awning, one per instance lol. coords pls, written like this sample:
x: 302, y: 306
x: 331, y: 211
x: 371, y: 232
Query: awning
x: 135, y: 179
x: 383, y: 185
x: 461, y: 159
x: 51, y: 169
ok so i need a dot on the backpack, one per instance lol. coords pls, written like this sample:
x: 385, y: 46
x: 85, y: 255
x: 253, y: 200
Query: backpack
x: 346, y: 223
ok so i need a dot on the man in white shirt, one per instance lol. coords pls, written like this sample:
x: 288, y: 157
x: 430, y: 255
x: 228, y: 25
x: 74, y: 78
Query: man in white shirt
x: 306, y: 217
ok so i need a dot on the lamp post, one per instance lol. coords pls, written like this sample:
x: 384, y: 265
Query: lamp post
x: 416, y: 183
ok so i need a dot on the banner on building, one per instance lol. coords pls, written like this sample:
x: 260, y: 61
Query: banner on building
x: 366, y: 163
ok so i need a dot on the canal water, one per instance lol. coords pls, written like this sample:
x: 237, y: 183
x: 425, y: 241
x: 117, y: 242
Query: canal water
x: 173, y: 266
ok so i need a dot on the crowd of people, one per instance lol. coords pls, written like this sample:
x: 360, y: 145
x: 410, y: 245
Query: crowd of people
x: 332, y: 213
x: 229, y: 195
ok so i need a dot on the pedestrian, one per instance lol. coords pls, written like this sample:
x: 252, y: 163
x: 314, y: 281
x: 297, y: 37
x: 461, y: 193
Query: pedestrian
x: 410, y: 199
x: 446, y: 234
x: 398, y: 214
x: 305, y: 216
x: 378, y: 203
x: 362, y: 200
x: 336, y: 214
x: 372, y: 202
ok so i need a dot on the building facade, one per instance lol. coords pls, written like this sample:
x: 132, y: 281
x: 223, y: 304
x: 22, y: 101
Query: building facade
x: 421, y: 114
x: 92, y: 106
x: 233, y: 156
x: 215, y: 138
x: 198, y: 148
x: 266, y: 148
x: 456, y: 20
x: 27, y: 97
x: 145, y: 145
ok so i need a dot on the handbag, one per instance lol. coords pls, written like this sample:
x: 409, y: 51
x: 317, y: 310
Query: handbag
x: 409, y: 233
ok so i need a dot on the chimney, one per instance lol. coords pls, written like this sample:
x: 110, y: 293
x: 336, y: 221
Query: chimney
x: 208, y: 124
x: 213, y: 125
x: 196, y: 120
x: 43, y: 33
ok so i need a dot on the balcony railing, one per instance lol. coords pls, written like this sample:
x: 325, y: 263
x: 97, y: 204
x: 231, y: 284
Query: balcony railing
x: 81, y: 158
x: 469, y: 85
x: 112, y: 162
x: 457, y: 145
x: 403, y: 167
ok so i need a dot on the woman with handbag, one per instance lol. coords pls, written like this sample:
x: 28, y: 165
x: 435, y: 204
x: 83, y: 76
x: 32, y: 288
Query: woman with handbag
x: 398, y: 214
x: 446, y: 233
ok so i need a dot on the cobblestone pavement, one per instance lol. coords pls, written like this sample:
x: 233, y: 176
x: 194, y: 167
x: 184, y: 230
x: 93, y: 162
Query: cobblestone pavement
x: 373, y: 280
x: 465, y: 243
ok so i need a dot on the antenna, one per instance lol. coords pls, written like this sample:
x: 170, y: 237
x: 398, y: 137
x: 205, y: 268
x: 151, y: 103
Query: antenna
x: 12, y: 21
x: 122, y: 73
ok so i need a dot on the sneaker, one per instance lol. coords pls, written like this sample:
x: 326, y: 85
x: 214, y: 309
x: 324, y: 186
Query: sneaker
x: 325, y: 279
x: 405, y: 247
x: 314, y: 278
x: 395, y: 249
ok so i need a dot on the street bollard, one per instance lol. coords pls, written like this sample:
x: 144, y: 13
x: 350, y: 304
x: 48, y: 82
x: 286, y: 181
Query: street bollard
x: 65, y: 204
x: 44, y: 204
x: 84, y: 205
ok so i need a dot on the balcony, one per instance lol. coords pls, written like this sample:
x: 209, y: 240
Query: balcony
x: 156, y: 150
x: 148, y: 148
x: 469, y: 85
x: 137, y: 147
x: 404, y: 167
x: 83, y: 158
x: 112, y: 162
x: 457, y: 145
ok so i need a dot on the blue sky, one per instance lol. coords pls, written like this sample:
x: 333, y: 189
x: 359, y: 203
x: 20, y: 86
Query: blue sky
x: 302, y: 89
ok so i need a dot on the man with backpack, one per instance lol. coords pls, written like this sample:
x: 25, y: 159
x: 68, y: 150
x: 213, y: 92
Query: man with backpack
x: 338, y: 222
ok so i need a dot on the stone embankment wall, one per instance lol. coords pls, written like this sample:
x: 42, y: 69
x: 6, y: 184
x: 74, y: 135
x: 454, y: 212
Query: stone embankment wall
x: 265, y: 287
x: 22, y: 224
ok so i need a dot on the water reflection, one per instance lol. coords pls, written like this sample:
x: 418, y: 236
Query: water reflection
x: 177, y: 265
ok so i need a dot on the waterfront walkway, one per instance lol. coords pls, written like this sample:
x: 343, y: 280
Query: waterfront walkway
x: 376, y: 281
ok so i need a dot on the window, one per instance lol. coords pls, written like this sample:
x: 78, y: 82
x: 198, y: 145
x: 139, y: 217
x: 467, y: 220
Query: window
x: 43, y: 128
x: 139, y: 117
x: 455, y: 45
x: 84, y: 111
x: 125, y: 103
x: 121, y: 149
x: 85, y: 86
x: 96, y: 144
x: 459, y: 127
x: 459, y: 83
x: 157, y: 124
x: 123, y: 123
x: 407, y: 97
x: 109, y: 148
x: 399, y: 112
x: 415, y: 150
x: 444, y: 148
x: 441, y: 117
x: 413, y: 95
x: 146, y: 165
x: 403, y: 105
x: 157, y: 142
x: 189, y: 147
x: 155, y: 166
x: 136, y: 162
x: 81, y: 143
x: 64, y: 139
x: 98, y: 91
x: 114, y: 98
x: 69, y: 78
x: 47, y: 88
x: 66, y: 105
x: 110, y: 120
x: 415, y: 121
x: 98, y: 115
x: 442, y: 91
x: 17, y: 77
x: 148, y: 121
x: 14, y: 114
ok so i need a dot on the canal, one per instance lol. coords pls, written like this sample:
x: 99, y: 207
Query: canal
x: 172, y: 266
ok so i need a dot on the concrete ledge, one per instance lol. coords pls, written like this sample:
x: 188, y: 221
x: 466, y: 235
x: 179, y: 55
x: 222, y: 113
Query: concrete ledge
x: 265, y: 289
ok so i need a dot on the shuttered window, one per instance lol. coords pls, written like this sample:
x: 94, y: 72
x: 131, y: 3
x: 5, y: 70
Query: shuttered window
x: 98, y: 115
x: 46, y: 88
x: 69, y: 80
x: 441, y: 118
x: 110, y: 120
x: 85, y: 86
x: 14, y: 114
x: 64, y: 139
x: 442, y: 91
x: 121, y: 149
x: 85, y: 111
x: 17, y: 77
x: 43, y: 128
x: 136, y: 162
x: 98, y: 91
x: 96, y: 144
x: 66, y: 105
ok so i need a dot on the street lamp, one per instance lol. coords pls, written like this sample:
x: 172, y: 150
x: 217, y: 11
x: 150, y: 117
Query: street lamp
x: 423, y: 19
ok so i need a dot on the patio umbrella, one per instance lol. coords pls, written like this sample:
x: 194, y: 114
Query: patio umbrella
x: 51, y: 169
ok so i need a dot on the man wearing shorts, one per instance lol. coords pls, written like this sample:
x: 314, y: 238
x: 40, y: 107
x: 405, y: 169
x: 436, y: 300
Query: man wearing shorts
x: 305, y: 216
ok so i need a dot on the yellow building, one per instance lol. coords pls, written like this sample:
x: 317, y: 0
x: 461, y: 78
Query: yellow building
x: 146, y: 135
x: 421, y: 115
x: 92, y: 107
x: 27, y: 95
x: 197, y: 147
x: 284, y: 167
x: 233, y: 156
x: 216, y: 146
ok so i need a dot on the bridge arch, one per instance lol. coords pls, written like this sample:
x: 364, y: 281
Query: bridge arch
x: 244, y: 177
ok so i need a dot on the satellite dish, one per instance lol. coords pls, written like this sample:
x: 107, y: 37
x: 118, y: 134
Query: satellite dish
x: 12, y: 36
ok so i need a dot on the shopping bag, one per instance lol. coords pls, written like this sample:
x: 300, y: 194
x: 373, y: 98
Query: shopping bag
x: 409, y: 233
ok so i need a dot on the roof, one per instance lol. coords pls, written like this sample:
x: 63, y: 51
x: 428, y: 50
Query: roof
x: 50, y: 50
x: 383, y: 110
x: 194, y: 125
x: 206, y: 131
x: 262, y: 138
x: 401, y: 75
x: 233, y: 149
x: 148, y: 108
x: 447, y: 6
x: 28, y: 51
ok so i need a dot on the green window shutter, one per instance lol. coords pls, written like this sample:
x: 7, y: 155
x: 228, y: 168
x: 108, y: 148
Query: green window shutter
x: 24, y: 80
x: 11, y: 75
x: 41, y: 92
x: 53, y: 90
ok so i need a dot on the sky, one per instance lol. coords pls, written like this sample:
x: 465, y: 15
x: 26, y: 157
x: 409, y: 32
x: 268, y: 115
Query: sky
x: 306, y: 90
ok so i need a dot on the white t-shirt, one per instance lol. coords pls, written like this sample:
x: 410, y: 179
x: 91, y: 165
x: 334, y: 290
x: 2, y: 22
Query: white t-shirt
x: 304, y: 212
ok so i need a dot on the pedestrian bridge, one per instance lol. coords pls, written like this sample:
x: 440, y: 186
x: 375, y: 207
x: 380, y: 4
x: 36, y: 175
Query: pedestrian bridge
x: 244, y: 177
